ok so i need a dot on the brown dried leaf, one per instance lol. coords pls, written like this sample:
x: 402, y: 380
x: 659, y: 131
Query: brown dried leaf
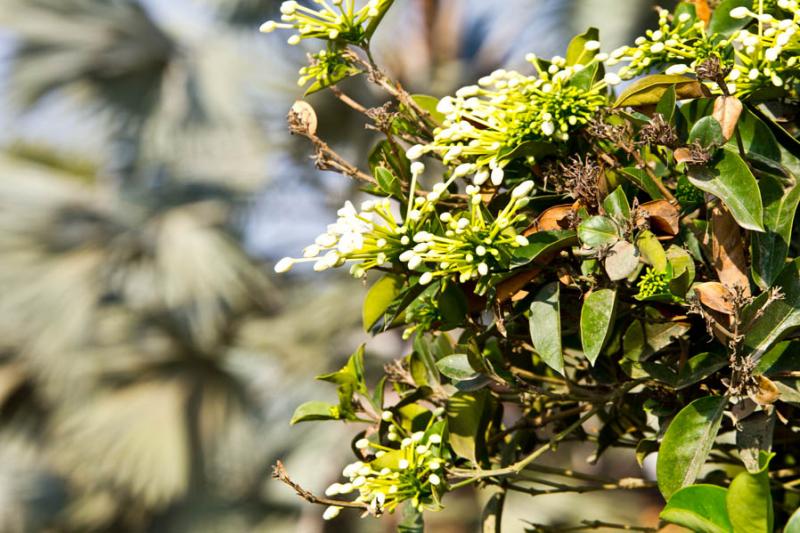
x: 552, y: 218
x: 728, y: 250
x: 766, y: 393
x: 727, y: 110
x: 663, y: 216
x: 511, y: 288
x: 715, y: 295
x: 683, y: 155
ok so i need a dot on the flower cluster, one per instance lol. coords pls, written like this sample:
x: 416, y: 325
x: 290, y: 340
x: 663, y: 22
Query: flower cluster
x: 652, y: 282
x: 763, y: 54
x: 486, y: 123
x: 342, y: 21
x: 326, y: 68
x: 414, y: 473
x: 464, y: 245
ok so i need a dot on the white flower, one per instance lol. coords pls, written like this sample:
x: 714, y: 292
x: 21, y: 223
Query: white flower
x: 548, y: 128
x: 684, y: 17
x: 288, y: 7
x: 387, y: 416
x: 425, y: 278
x: 463, y: 169
x: 351, y: 469
x: 521, y: 240
x: 362, y: 444
x: 414, y: 262
x: 611, y: 79
x: 435, y: 439
x: 284, y: 265
x: 434, y: 465
x: 293, y: 40
x: 417, y: 168
x: 480, y: 177
x: 771, y: 54
x: 483, y: 269
x: 403, y: 464
x: 434, y: 479
x: 445, y: 106
x: 657, y: 48
x: 331, y: 512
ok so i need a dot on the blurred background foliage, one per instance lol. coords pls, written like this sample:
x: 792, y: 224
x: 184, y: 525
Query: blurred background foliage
x: 149, y: 363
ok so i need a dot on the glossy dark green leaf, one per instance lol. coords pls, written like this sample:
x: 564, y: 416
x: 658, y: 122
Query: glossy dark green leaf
x: 411, y: 520
x: 542, y: 243
x: 577, y: 54
x: 687, y: 442
x: 388, y: 182
x: 651, y: 250
x: 699, y: 367
x: 708, y: 132
x: 793, y: 525
x: 699, y: 508
x: 754, y: 436
x: 651, y: 89
x: 666, y: 106
x: 642, y: 179
x: 780, y: 197
x: 781, y: 317
x: 429, y: 104
x: 467, y: 415
x: 730, y: 179
x: 749, y: 500
x: 312, y: 411
x: 722, y: 23
x: 616, y: 205
x: 456, y: 366
x: 598, y: 231
x: 643, y: 339
x: 545, y: 326
x: 597, y: 317
x: 379, y: 297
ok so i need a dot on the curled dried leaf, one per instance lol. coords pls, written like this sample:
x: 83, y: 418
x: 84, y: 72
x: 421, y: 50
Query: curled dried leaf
x: 765, y: 392
x: 715, y: 295
x: 727, y: 110
x: 662, y: 215
x: 558, y: 217
x: 303, y: 118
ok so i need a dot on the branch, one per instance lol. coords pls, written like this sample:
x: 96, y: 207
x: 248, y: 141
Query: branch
x: 592, y: 524
x: 279, y: 473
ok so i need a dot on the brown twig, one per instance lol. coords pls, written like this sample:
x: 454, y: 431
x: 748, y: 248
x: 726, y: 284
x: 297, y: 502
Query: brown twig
x: 279, y: 473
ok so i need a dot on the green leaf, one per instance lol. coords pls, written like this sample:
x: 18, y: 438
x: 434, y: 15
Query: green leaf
x: 577, y: 54
x: 781, y: 317
x: 622, y: 260
x: 750, y: 502
x: 453, y: 305
x: 311, y: 411
x: 389, y: 156
x: 379, y: 297
x: 722, y: 23
x: 456, y: 367
x: 666, y: 106
x: 699, y: 367
x: 541, y: 243
x: 597, y: 316
x: 683, y: 271
x: 652, y: 251
x: 617, y: 206
x: 651, y: 89
x: 687, y: 442
x: 411, y: 520
x: 780, y: 198
x: 642, y: 179
x: 429, y: 104
x: 730, y: 179
x: 708, y: 132
x: 793, y: 525
x: 545, y: 326
x: 598, y: 231
x: 467, y: 415
x: 699, y: 508
x: 388, y: 182
x: 643, y: 339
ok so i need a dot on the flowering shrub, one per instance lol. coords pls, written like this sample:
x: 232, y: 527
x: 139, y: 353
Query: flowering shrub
x: 575, y: 262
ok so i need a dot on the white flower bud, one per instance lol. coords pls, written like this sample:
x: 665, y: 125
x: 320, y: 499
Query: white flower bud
x: 331, y: 512
x: 362, y: 444
x: 268, y: 27
x: 592, y: 45
x: 523, y: 189
x: 403, y: 464
x: 611, y: 79
x: 414, y: 262
x: 434, y: 465
x: 521, y: 240
x: 417, y: 168
x: 435, y: 438
x: 434, y: 479
x: 293, y: 40
x: 333, y: 490
x: 548, y: 128
x: 288, y: 7
x: 284, y: 265
x: 497, y: 176
x: 463, y: 169
x: 387, y: 416
x: 740, y: 12
x: 415, y: 152
x: 483, y: 269
x: 425, y: 278
x: 676, y: 70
